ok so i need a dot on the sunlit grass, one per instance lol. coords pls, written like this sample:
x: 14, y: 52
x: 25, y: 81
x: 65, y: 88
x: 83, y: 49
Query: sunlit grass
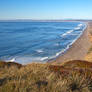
x: 47, y: 78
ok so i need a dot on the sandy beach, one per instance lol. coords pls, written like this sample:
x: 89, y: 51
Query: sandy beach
x: 79, y: 49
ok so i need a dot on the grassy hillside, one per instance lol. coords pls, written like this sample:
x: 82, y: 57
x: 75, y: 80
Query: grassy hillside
x: 72, y: 76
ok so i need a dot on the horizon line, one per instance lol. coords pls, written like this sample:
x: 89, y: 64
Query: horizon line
x: 67, y: 19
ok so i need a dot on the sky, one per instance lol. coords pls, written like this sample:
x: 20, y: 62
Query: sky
x: 45, y: 9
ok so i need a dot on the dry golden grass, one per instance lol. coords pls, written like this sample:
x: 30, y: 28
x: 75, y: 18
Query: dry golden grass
x: 78, y: 64
x: 88, y: 57
x: 73, y: 76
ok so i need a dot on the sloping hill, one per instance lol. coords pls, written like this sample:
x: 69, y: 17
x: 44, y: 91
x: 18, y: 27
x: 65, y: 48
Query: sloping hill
x: 72, y: 76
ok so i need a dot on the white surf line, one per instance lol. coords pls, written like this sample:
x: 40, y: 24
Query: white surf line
x: 12, y: 60
x: 79, y: 35
x: 39, y: 51
x: 70, y: 31
x: 80, y: 25
x: 44, y: 58
x: 68, y: 46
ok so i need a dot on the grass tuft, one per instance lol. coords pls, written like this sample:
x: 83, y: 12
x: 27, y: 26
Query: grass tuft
x: 72, y: 76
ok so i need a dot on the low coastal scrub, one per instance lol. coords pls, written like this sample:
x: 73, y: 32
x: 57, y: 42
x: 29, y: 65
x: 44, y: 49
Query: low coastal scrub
x: 72, y: 76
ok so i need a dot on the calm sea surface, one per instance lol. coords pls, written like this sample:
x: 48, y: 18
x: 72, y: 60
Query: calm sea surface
x: 25, y: 42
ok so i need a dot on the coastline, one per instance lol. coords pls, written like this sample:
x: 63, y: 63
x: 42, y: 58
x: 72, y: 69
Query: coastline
x: 78, y: 49
x: 39, y: 77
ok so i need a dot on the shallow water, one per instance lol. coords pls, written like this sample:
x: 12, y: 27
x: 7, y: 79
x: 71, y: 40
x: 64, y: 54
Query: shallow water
x: 25, y: 42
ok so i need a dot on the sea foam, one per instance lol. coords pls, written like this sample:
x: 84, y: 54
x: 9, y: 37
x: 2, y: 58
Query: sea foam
x: 80, y: 25
x: 39, y: 50
x: 70, y: 31
x: 44, y: 58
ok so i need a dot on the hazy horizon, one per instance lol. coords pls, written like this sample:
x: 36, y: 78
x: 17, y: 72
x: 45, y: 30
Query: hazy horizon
x: 42, y: 19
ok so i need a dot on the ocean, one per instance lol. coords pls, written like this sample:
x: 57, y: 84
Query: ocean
x: 26, y: 42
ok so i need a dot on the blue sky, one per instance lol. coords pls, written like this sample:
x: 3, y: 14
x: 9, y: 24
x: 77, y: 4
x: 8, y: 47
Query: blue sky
x: 45, y: 9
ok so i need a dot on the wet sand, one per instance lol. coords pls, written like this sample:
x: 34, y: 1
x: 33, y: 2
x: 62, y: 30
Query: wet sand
x: 78, y: 50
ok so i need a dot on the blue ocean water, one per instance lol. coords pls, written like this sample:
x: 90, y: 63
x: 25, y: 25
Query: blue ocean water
x: 27, y: 42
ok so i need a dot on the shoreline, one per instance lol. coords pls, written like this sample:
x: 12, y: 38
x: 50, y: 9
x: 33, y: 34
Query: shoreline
x: 78, y: 49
